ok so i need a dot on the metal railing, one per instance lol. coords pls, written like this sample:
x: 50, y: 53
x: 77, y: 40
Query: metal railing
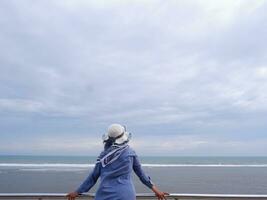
x: 174, y: 196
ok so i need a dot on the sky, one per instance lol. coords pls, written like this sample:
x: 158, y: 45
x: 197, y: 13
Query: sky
x: 187, y: 78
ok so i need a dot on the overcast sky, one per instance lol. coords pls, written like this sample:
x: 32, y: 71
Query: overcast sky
x: 186, y: 77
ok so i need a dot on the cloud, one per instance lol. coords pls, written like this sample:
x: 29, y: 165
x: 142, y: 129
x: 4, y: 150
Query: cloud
x: 20, y: 105
x: 159, y: 145
x: 177, y: 67
x: 52, y: 145
x: 196, y: 145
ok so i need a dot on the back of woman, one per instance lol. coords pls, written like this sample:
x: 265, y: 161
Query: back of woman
x: 116, y: 177
x: 114, y: 166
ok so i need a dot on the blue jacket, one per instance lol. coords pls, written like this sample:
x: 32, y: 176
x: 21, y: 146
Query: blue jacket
x: 115, y: 178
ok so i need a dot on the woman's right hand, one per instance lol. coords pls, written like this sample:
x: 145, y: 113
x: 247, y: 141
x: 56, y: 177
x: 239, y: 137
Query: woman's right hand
x: 159, y: 194
x: 72, y: 195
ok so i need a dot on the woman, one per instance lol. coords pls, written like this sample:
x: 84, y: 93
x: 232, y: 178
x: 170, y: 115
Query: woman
x: 114, y: 166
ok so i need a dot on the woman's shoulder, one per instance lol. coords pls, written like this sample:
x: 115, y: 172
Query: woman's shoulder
x: 131, y: 151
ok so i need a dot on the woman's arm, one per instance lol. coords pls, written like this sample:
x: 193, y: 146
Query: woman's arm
x: 146, y: 179
x: 140, y: 172
x: 88, y: 183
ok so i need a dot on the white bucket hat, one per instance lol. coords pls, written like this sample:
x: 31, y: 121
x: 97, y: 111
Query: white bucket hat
x: 118, y: 132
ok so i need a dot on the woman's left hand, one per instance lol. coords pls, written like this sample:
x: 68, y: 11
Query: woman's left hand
x: 72, y: 195
x: 159, y: 194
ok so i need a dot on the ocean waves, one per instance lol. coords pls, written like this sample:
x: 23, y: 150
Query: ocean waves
x: 73, y: 167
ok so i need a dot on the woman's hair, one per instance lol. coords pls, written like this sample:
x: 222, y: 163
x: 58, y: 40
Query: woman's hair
x: 108, y: 143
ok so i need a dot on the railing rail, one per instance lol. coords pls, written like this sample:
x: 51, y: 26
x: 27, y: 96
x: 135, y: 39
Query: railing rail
x: 175, y: 196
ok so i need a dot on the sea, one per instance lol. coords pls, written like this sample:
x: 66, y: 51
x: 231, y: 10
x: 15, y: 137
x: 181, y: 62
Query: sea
x: 62, y: 174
